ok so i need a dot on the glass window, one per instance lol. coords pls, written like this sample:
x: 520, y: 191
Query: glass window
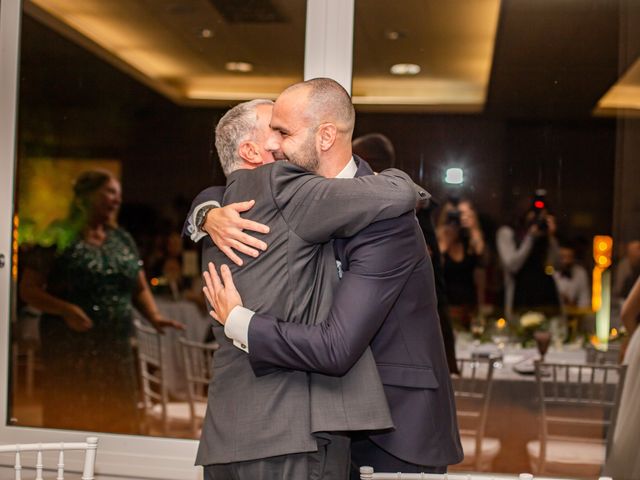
x: 521, y: 118
x: 117, y: 106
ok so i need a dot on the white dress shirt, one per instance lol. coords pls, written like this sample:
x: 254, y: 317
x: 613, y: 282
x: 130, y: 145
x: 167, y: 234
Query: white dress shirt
x: 574, y: 289
x: 237, y: 325
x: 192, y: 228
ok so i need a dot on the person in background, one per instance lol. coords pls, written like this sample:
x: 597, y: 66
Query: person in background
x: 171, y: 272
x: 463, y: 257
x: 623, y: 461
x: 85, y: 285
x: 377, y: 149
x: 528, y: 249
x: 168, y: 266
x: 627, y: 271
x: 571, y: 279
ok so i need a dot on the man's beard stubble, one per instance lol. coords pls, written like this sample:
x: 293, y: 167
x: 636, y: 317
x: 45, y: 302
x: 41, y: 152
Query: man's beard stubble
x: 306, y: 156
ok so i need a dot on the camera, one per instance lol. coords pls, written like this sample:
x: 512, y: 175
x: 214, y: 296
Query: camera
x: 539, y: 208
x: 453, y: 218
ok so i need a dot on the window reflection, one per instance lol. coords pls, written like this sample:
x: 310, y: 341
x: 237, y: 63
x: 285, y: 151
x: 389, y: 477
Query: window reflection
x: 84, y: 284
x: 509, y: 98
x: 132, y: 90
x: 525, y: 177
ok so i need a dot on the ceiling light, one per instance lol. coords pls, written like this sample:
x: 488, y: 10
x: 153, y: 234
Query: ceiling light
x: 206, y: 33
x: 405, y: 69
x: 454, y: 176
x: 393, y: 35
x: 243, y: 67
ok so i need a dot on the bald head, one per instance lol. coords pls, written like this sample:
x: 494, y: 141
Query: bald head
x: 312, y: 125
x: 326, y: 101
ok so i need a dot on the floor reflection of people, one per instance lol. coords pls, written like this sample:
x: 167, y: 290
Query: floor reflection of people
x: 85, y: 285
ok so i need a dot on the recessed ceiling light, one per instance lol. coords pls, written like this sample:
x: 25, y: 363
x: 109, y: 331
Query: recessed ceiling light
x: 206, y: 33
x: 242, y: 67
x: 405, y: 69
x: 391, y: 35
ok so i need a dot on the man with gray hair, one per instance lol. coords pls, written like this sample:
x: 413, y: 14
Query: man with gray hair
x: 386, y: 299
x: 279, y: 425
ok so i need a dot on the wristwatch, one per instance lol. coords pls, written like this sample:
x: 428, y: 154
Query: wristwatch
x: 201, y: 216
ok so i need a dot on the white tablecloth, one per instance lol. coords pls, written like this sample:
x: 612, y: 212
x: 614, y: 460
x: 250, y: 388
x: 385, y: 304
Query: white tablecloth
x: 515, y: 357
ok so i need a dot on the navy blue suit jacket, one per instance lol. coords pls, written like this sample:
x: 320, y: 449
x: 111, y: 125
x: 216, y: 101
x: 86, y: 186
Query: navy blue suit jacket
x: 387, y: 299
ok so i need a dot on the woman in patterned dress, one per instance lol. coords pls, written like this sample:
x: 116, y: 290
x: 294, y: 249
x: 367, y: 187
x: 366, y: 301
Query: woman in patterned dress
x: 85, y: 286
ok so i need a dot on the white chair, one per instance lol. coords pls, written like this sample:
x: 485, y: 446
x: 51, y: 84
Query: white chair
x: 90, y: 448
x: 157, y: 407
x: 198, y: 364
x: 581, y: 401
x: 472, y: 388
x: 367, y: 473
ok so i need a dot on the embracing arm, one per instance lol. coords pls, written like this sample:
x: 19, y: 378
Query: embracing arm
x: 318, y: 209
x: 380, y: 265
x: 209, y: 197
x: 224, y: 225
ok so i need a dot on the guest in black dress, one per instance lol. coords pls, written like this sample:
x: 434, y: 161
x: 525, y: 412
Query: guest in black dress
x: 463, y: 258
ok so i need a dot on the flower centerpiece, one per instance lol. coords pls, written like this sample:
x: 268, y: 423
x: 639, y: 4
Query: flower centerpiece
x: 530, y: 322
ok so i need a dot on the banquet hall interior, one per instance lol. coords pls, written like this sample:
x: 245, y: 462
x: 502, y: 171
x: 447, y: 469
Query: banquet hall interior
x: 513, y: 114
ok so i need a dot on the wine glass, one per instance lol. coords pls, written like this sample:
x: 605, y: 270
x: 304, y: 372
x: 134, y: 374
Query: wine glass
x: 500, y: 336
x: 543, y: 339
x: 477, y: 327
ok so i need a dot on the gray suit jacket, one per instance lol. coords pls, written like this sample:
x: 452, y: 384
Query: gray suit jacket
x: 249, y: 417
x: 387, y: 301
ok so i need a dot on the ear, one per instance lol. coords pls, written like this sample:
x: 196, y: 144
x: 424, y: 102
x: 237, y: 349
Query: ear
x: 248, y: 151
x: 327, y: 136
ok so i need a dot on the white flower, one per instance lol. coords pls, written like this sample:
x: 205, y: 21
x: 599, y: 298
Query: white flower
x: 531, y: 320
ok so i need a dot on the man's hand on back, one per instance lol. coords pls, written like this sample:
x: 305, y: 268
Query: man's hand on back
x: 225, y: 227
x: 221, y: 294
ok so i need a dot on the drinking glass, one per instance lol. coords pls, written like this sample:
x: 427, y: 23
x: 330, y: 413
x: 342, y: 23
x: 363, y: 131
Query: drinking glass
x: 477, y: 327
x: 543, y: 339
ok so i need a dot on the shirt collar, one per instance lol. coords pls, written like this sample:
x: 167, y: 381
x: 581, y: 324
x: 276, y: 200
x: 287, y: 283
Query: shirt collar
x: 349, y: 171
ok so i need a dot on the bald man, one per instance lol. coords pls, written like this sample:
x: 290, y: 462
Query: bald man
x: 386, y: 298
x: 279, y: 425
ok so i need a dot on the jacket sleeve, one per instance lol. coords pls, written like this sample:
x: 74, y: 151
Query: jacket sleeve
x: 381, y: 259
x: 208, y: 196
x: 318, y: 209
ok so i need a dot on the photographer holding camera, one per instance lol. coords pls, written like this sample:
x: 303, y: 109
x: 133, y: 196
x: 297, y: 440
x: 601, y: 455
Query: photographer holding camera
x: 528, y: 250
x: 463, y: 259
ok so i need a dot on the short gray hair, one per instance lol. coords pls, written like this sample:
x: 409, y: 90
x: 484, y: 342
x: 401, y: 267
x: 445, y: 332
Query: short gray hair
x: 236, y: 126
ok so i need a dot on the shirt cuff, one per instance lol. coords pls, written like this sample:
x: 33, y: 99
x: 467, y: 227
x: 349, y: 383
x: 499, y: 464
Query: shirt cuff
x: 237, y: 327
x: 194, y: 232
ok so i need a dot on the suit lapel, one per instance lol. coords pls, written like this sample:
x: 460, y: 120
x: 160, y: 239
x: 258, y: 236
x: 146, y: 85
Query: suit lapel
x: 364, y: 169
